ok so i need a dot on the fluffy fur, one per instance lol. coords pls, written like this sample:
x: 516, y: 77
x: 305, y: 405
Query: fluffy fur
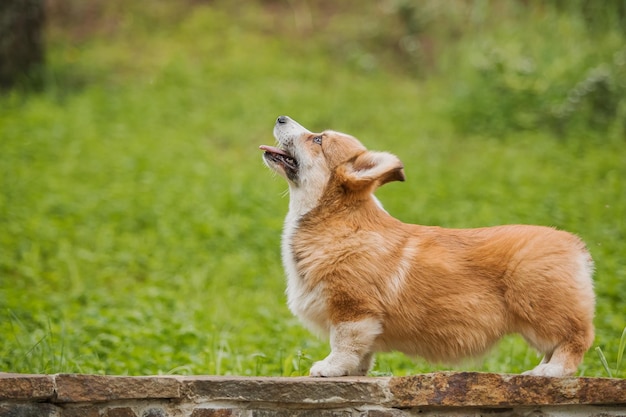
x: 373, y: 283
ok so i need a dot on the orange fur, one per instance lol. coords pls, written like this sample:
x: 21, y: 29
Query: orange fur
x: 374, y: 283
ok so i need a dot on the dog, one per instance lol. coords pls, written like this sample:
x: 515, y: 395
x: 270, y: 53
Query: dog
x: 374, y: 284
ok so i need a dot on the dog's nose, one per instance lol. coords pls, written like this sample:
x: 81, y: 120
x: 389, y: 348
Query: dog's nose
x: 282, y: 120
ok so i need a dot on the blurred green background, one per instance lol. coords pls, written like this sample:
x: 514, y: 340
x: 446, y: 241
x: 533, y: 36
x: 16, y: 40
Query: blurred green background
x: 140, y: 231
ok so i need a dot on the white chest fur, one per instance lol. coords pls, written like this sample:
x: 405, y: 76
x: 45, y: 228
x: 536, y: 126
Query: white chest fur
x: 304, y: 301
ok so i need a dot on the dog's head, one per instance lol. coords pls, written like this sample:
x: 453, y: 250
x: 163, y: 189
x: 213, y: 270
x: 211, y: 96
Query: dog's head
x: 313, y: 161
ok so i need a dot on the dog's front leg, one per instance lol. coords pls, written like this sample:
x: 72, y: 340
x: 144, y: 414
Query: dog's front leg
x: 351, y: 346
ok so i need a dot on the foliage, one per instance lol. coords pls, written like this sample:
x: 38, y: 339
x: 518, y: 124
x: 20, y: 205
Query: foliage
x: 140, y: 230
x: 618, y: 362
x: 512, y: 89
x: 518, y: 76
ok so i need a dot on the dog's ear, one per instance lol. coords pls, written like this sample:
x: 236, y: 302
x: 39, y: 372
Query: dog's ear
x: 371, y: 168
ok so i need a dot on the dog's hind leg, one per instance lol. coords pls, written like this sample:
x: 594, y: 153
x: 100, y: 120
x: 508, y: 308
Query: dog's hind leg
x: 351, y: 349
x: 556, y: 314
x: 546, y: 358
x: 566, y: 357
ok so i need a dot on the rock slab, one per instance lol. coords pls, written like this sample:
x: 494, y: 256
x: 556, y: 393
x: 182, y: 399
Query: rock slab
x: 435, y: 394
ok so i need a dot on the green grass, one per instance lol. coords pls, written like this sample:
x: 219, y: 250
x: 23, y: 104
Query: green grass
x: 618, y: 362
x: 140, y: 230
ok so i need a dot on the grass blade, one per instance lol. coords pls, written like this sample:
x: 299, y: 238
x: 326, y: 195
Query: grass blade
x: 620, y: 351
x: 604, y: 362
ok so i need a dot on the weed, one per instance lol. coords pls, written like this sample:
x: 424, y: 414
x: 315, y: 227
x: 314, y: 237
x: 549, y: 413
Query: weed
x: 617, y: 371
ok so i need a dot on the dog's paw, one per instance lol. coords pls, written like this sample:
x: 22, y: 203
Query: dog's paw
x: 547, y: 369
x: 322, y: 368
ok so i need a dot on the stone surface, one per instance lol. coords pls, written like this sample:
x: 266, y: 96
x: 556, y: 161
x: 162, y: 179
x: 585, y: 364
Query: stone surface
x: 120, y: 412
x: 215, y: 412
x: 21, y: 386
x: 302, y: 413
x: 433, y: 395
x: 302, y: 390
x: 94, y: 388
x: 88, y: 411
x: 28, y: 410
x: 495, y: 390
x: 154, y: 412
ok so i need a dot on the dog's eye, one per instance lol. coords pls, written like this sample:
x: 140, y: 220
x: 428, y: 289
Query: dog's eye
x: 318, y: 139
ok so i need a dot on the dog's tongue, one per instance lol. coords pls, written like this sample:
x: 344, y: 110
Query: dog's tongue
x: 272, y: 149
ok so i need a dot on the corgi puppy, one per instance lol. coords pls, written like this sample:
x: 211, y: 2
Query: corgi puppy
x: 372, y: 283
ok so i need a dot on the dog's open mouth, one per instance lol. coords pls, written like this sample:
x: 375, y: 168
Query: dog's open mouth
x: 280, y: 157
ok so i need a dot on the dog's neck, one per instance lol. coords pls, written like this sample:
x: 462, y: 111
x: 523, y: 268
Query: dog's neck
x: 301, y: 201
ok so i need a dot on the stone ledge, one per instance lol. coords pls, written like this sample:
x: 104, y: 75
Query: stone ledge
x: 299, y: 390
x: 471, y: 389
x: 74, y: 388
x: 446, y: 393
x: 26, y: 387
